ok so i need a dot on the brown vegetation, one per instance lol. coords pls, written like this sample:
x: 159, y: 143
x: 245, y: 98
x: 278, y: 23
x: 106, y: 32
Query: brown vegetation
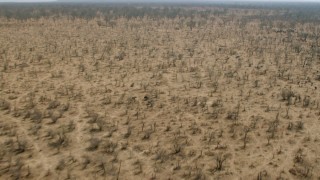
x: 224, y: 96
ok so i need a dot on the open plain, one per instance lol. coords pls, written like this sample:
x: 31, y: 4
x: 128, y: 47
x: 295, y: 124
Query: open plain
x: 205, y: 93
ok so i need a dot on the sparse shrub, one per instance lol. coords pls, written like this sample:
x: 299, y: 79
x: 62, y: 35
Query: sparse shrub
x: 36, y: 115
x: 273, y: 126
x: 232, y: 115
x: 19, y: 147
x: 298, y: 158
x: 299, y: 125
x: 286, y: 94
x: 54, y: 116
x: 106, y: 100
x: 128, y: 132
x: 290, y: 126
x: 61, y: 165
x: 93, y: 144
x: 146, y: 135
x: 160, y: 155
x: 84, y: 162
x: 306, y: 101
x: 4, y: 105
x: 262, y: 174
x: 59, y: 142
x: 177, y: 148
x: 245, y: 138
x: 220, y: 160
x: 217, y: 103
x: 53, y: 104
x: 93, y: 117
x: 109, y: 147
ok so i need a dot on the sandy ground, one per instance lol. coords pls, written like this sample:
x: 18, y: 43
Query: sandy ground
x: 155, y: 99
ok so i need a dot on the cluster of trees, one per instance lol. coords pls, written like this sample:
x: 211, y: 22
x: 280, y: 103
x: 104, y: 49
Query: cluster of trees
x: 301, y: 13
x: 27, y: 11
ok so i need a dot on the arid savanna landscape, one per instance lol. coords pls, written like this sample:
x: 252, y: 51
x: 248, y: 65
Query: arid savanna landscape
x: 159, y: 91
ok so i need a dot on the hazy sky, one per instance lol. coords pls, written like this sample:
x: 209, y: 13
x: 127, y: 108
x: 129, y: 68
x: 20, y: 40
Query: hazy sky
x: 173, y: 0
x: 26, y: 0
